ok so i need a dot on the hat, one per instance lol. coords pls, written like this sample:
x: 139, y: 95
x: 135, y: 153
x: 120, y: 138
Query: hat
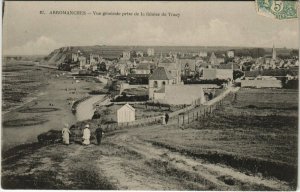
x: 87, y: 126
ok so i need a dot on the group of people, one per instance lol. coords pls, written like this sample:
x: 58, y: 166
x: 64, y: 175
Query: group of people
x: 86, y: 135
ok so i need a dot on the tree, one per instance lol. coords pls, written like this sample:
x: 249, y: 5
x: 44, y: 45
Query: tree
x: 294, y: 53
x: 133, y: 54
x: 102, y: 67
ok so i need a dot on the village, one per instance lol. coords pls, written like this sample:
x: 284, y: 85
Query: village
x: 177, y: 80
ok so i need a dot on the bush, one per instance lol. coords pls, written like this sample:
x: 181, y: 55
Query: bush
x: 125, y: 98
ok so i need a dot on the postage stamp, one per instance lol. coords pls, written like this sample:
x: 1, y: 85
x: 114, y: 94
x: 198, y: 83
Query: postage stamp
x: 278, y: 9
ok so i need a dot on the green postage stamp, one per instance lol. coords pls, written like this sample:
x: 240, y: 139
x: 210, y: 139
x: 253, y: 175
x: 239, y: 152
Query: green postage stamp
x: 278, y: 9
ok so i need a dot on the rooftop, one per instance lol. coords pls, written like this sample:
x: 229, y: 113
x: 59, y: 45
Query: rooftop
x: 160, y: 73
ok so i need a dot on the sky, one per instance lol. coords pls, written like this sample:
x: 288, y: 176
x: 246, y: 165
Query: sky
x: 27, y: 32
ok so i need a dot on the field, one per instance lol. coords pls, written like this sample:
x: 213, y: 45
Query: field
x: 259, y: 128
x: 250, y: 143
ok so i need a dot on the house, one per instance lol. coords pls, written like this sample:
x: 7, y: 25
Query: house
x: 125, y: 114
x: 126, y: 55
x: 95, y: 59
x: 213, y: 59
x: 75, y: 56
x: 123, y: 69
x: 82, y: 61
x: 173, y: 67
x: 150, y: 52
x: 139, y: 53
x: 188, y: 66
x: 218, y: 74
x: 158, y: 80
x: 143, y: 69
x: 202, y: 54
x: 230, y: 54
x: 180, y: 95
x: 262, y: 82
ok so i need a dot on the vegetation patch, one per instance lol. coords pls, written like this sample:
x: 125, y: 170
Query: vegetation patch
x: 39, y: 180
x: 86, y: 177
x: 24, y: 122
x: 38, y: 110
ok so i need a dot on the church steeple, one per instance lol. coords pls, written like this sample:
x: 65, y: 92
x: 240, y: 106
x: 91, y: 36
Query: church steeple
x: 273, y: 53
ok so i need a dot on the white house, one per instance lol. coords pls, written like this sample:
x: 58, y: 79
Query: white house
x: 180, y: 95
x: 125, y: 114
x: 126, y: 55
x: 150, y: 52
x: 230, y: 54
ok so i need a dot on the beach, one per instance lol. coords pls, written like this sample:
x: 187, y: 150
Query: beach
x: 47, y: 107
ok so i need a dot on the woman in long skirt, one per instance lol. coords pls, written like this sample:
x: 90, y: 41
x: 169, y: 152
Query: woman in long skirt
x: 86, y: 135
x: 65, y: 134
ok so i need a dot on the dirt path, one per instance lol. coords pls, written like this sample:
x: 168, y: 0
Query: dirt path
x: 198, y: 173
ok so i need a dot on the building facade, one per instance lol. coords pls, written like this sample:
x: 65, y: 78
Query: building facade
x: 150, y: 52
x: 158, y: 80
x: 125, y: 114
x: 212, y: 73
x: 230, y: 54
x: 126, y: 55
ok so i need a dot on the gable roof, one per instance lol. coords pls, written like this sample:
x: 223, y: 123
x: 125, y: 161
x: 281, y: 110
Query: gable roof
x: 166, y: 60
x: 127, y: 106
x: 160, y: 73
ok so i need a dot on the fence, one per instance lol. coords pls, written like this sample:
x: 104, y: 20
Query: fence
x: 197, y: 113
x: 183, y: 116
x: 205, y: 109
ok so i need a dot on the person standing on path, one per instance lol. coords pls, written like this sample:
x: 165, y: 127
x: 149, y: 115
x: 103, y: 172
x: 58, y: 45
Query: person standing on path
x: 86, y: 135
x: 99, y: 134
x: 65, y: 134
x: 166, y: 118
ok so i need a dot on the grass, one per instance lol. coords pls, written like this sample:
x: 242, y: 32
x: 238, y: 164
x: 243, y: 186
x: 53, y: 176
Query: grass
x: 256, y: 141
x: 24, y: 122
x: 35, y: 166
x: 186, y: 178
x: 40, y: 180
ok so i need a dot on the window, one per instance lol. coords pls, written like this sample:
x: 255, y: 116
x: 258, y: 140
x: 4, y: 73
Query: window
x: 163, y: 83
x: 155, y: 85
